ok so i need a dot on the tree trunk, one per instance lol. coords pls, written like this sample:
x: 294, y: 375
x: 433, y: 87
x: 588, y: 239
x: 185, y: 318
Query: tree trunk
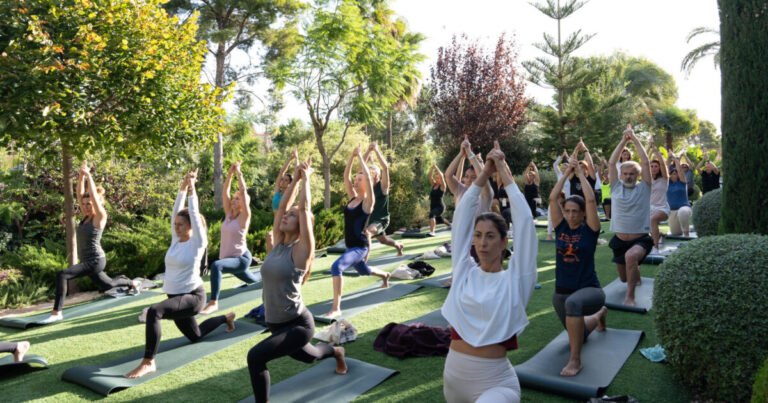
x: 218, y: 150
x: 668, y: 142
x: 69, y: 211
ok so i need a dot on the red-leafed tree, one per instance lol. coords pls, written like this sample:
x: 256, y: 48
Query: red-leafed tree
x: 477, y: 93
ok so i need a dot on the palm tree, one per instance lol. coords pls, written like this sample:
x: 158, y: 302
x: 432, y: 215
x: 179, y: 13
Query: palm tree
x: 710, y: 48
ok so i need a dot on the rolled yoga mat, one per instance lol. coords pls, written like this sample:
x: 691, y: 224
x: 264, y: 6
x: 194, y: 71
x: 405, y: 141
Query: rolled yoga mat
x: 175, y: 353
x: 434, y: 319
x: 96, y: 306
x: 321, y: 384
x: 601, y: 357
x: 437, y: 281
x: 363, y: 300
x: 379, y: 262
x: 616, y: 291
x: 30, y: 362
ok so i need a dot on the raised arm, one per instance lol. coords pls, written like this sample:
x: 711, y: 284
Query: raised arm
x: 613, y: 173
x: 348, y: 186
x: 370, y: 199
x: 225, y: 198
x: 384, y: 166
x: 305, y: 248
x: 81, y: 181
x: 294, y: 156
x: 555, y: 210
x: 593, y: 220
x: 100, y: 213
x: 440, y: 175
x: 244, y: 219
x: 645, y: 164
x: 181, y: 198
x: 285, y: 203
x: 199, y: 232
x: 662, y: 165
x: 451, y: 179
x: 463, y: 226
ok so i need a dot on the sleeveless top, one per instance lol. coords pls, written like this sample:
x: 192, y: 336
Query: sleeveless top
x: 355, y: 221
x: 531, y: 191
x: 276, y: 200
x: 380, y: 211
x: 89, y: 241
x: 232, y: 239
x: 282, y: 285
x: 436, y: 197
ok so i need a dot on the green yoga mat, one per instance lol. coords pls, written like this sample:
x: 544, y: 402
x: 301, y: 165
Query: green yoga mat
x: 434, y: 319
x: 437, y: 281
x: 30, y: 362
x: 97, y: 306
x: 380, y: 262
x: 601, y: 357
x: 616, y: 291
x: 175, y: 353
x: 238, y: 296
x: 361, y: 301
x: 321, y: 384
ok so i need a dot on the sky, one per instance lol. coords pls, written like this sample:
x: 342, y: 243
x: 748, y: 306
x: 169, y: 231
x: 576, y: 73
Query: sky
x: 654, y: 29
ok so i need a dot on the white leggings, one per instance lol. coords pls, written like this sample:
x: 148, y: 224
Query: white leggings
x: 680, y: 219
x: 468, y: 379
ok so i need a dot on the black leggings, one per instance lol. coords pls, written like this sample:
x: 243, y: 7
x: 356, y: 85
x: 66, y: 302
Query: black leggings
x: 8, y: 347
x: 93, y: 269
x: 182, y: 308
x: 289, y: 338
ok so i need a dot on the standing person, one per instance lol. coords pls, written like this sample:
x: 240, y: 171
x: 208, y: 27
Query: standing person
x: 89, y: 251
x: 630, y: 221
x: 710, y: 175
x: 186, y: 295
x: 18, y: 349
x: 436, y: 204
x: 659, y: 184
x: 234, y: 256
x: 287, y: 267
x: 486, y: 304
x: 677, y: 196
x: 356, y: 214
x: 531, y: 188
x: 578, y: 300
x: 379, y: 220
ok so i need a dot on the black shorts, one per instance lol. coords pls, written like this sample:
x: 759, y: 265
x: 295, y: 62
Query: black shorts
x: 607, y: 200
x: 436, y: 211
x: 621, y: 247
x: 381, y: 226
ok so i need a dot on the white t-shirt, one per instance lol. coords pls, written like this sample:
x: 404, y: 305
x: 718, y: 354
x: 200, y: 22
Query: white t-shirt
x: 630, y: 208
x: 182, y: 261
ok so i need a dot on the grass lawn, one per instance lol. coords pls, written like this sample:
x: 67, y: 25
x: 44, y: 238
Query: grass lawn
x: 99, y: 338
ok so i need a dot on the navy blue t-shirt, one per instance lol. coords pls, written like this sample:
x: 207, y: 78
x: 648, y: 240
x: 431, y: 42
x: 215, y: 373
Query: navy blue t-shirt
x: 575, y: 257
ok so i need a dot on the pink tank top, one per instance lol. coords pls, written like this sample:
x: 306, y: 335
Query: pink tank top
x: 232, y: 239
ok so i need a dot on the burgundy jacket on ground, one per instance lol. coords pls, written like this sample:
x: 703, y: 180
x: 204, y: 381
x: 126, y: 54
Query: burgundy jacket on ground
x: 414, y: 340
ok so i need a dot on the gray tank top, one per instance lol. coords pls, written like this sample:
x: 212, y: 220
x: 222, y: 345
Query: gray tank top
x: 89, y: 242
x: 282, y: 286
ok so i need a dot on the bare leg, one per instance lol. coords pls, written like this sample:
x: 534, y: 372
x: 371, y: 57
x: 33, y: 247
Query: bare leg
x: 21, y: 348
x: 384, y: 276
x: 230, y: 322
x: 391, y: 242
x: 146, y: 366
x: 211, y: 307
x: 632, y: 259
x: 656, y: 218
x: 432, y: 225
x: 341, y: 362
x: 338, y: 283
x: 577, y: 326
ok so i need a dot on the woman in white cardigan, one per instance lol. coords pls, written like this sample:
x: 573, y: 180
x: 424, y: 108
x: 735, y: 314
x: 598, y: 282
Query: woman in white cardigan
x: 486, y: 304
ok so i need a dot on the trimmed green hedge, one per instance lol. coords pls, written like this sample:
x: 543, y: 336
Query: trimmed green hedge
x: 706, y: 213
x: 760, y: 388
x: 710, y: 300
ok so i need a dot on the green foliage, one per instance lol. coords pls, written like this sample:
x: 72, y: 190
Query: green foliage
x: 16, y: 292
x: 710, y: 301
x: 760, y: 387
x: 706, y: 213
x: 329, y: 227
x: 675, y: 124
x: 139, y: 250
x: 406, y: 206
x: 710, y: 48
x: 36, y: 263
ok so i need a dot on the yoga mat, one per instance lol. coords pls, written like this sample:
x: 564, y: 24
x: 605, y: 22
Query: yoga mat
x: 691, y: 236
x: 662, y: 253
x: 30, y: 362
x: 379, y: 262
x: 616, y: 291
x: 175, y: 353
x: 237, y: 296
x: 434, y: 319
x: 436, y: 281
x: 601, y: 357
x: 321, y: 384
x: 99, y: 305
x: 340, y: 247
x: 361, y: 301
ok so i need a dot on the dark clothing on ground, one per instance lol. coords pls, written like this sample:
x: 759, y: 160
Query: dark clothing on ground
x: 416, y: 340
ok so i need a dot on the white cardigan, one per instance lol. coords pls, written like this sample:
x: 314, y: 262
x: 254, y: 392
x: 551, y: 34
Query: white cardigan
x: 489, y: 308
x: 182, y: 261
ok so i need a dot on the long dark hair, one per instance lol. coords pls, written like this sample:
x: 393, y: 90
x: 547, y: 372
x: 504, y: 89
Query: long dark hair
x: 500, y: 224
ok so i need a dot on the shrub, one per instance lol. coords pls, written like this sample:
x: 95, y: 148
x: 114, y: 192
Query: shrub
x: 760, y: 388
x: 38, y: 261
x: 710, y: 304
x: 405, y: 205
x: 548, y: 179
x: 329, y: 227
x: 16, y: 292
x: 138, y: 251
x: 706, y: 213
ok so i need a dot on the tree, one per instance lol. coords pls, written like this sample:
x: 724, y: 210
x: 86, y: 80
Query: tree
x: 231, y: 25
x: 675, y: 124
x: 477, y: 94
x: 566, y: 74
x: 121, y: 75
x: 351, y: 66
x: 744, y: 35
x: 707, y: 135
x: 708, y: 49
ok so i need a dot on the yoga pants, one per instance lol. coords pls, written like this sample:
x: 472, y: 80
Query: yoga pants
x: 584, y: 302
x: 352, y: 257
x: 235, y: 265
x: 93, y: 269
x: 679, y: 219
x: 288, y: 338
x: 8, y: 347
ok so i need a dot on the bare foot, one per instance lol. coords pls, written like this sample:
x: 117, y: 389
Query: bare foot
x: 629, y: 301
x: 21, y: 348
x: 386, y: 280
x: 146, y: 366
x: 601, y: 316
x: 400, y: 248
x: 571, y: 369
x: 334, y: 313
x: 212, y: 307
x: 341, y: 363
x: 230, y: 322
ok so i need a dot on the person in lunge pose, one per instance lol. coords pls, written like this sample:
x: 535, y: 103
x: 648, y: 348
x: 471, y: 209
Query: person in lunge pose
x: 578, y: 299
x: 379, y: 219
x: 631, y: 216
x: 234, y: 256
x: 186, y: 295
x: 287, y: 266
x: 89, y: 251
x: 677, y: 196
x: 486, y: 304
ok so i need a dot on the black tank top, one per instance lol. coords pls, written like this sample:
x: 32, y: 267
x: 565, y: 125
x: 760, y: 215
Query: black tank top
x: 355, y: 221
x: 531, y: 191
x: 436, y: 197
x: 89, y: 241
x: 381, y: 206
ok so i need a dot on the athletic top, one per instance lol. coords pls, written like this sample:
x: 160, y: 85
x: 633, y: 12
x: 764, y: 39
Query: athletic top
x: 709, y: 181
x: 489, y: 308
x: 436, y: 198
x: 630, y: 208
x: 355, y: 221
x: 232, y: 239
x: 576, y: 185
x: 282, y: 285
x: 659, y: 194
x: 677, y: 195
x: 182, y: 261
x: 276, y: 200
x: 380, y: 211
x: 605, y: 191
x: 89, y: 241
x: 688, y: 177
x: 575, y: 258
x: 531, y: 191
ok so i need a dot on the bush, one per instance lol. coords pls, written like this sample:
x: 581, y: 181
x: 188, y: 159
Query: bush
x: 706, y: 213
x: 41, y: 262
x: 760, y: 388
x: 329, y: 227
x: 710, y: 305
x: 16, y: 292
x: 406, y: 206
x: 138, y: 251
